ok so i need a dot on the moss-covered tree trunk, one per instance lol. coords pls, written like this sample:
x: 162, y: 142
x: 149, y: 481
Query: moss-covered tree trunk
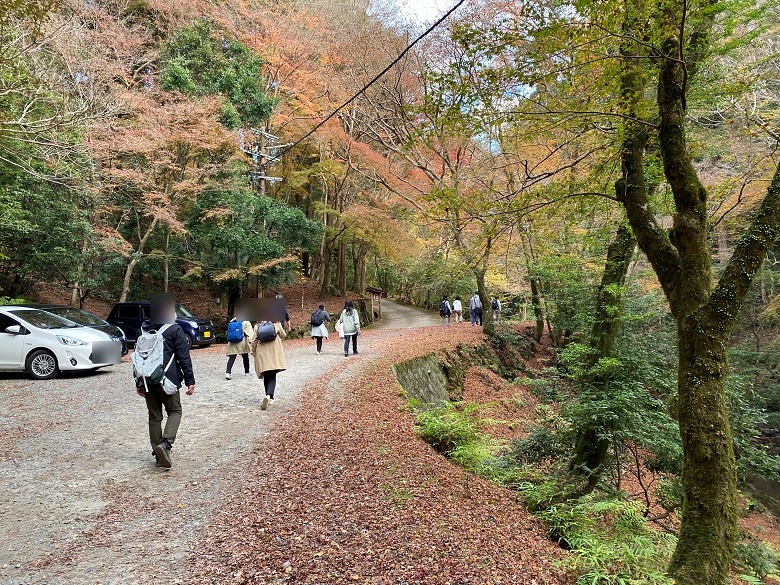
x: 592, y: 443
x: 536, y: 285
x: 536, y: 304
x: 708, y: 530
x: 609, y: 298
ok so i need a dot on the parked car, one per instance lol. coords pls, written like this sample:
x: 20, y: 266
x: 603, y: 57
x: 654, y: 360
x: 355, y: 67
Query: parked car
x: 128, y: 317
x: 43, y: 344
x: 86, y: 319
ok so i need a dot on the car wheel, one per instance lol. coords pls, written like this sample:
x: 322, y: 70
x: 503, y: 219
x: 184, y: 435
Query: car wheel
x: 189, y: 341
x: 42, y: 365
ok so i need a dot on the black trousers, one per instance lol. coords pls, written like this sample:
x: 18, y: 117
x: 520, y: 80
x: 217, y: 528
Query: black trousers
x: 232, y: 360
x: 269, y: 381
x: 319, y: 343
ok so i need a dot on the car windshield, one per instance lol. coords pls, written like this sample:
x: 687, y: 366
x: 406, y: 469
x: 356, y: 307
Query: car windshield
x: 77, y: 315
x: 44, y: 320
x: 182, y: 312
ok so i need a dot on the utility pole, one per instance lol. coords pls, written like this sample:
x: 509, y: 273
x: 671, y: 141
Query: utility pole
x: 264, y: 149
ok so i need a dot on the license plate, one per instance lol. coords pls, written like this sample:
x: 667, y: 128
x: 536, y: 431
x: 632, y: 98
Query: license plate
x: 207, y: 334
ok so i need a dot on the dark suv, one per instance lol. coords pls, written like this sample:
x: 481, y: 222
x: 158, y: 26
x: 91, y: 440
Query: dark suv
x: 129, y: 316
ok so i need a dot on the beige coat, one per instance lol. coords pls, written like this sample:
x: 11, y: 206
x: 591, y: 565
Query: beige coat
x: 270, y: 355
x: 243, y: 346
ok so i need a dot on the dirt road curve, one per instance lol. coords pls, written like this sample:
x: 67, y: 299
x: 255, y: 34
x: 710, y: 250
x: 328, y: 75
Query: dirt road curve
x: 82, y: 502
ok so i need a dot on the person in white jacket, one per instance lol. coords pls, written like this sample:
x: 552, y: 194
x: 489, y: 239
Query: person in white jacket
x: 457, y: 309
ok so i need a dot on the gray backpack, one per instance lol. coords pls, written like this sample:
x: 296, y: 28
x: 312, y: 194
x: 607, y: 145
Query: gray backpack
x: 148, y: 360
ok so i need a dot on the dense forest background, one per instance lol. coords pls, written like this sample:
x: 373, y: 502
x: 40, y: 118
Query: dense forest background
x: 612, y: 184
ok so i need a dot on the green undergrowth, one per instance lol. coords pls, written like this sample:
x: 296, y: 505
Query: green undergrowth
x: 611, y: 542
x: 455, y: 431
x: 609, y: 539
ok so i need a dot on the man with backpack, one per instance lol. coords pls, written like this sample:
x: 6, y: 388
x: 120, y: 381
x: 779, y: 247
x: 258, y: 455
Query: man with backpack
x: 475, y: 306
x: 445, y: 311
x: 495, y: 304
x: 161, y: 362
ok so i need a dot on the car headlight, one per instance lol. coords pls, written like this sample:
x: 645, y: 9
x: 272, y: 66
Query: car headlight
x: 70, y: 340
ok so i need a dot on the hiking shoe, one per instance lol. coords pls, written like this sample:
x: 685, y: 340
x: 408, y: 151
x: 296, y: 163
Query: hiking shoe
x: 264, y: 404
x: 228, y: 376
x: 355, y: 353
x: 346, y: 354
x: 163, y: 453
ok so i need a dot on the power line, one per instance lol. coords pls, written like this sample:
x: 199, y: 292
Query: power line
x: 376, y: 77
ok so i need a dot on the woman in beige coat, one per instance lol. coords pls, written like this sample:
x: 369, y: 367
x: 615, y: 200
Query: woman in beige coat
x: 269, y: 361
x: 240, y: 348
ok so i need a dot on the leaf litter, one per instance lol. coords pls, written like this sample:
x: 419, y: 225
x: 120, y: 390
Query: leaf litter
x: 344, y: 491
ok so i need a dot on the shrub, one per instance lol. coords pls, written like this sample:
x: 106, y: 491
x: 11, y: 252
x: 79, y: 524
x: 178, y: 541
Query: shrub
x: 752, y: 555
x: 445, y: 428
x: 610, y: 542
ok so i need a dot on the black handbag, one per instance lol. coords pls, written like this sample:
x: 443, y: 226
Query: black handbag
x: 266, y: 331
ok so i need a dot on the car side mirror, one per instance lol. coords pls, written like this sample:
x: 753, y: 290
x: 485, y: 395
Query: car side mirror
x: 13, y: 329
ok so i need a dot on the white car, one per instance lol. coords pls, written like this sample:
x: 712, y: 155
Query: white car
x: 43, y: 344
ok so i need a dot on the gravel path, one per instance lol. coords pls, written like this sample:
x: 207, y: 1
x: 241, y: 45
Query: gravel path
x: 82, y: 502
x: 400, y: 316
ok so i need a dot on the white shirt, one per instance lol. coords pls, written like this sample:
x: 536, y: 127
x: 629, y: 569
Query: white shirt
x: 456, y: 305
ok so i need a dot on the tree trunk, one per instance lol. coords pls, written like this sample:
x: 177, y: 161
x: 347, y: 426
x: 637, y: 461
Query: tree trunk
x: 484, y: 295
x: 326, y: 269
x: 166, y: 263
x: 128, y: 277
x: 536, y: 286
x: 536, y: 304
x: 361, y: 268
x: 355, y: 266
x: 709, y: 513
x: 234, y: 293
x: 134, y: 261
x: 341, y: 271
x: 609, y: 298
x: 75, y: 295
x: 592, y: 446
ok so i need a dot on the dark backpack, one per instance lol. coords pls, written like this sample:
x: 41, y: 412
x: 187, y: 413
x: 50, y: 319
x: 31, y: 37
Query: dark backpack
x: 235, y: 332
x: 494, y: 303
x: 266, y: 331
x: 444, y: 309
x: 317, y: 318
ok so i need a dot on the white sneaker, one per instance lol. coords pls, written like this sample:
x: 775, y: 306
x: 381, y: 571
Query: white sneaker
x: 247, y: 373
x: 264, y: 404
x: 228, y: 376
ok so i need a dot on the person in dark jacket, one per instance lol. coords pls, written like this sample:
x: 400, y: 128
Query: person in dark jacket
x: 180, y: 371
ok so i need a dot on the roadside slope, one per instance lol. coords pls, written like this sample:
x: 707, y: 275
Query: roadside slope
x: 344, y: 491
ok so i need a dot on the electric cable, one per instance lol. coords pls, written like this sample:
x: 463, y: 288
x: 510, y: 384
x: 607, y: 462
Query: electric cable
x: 376, y: 78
